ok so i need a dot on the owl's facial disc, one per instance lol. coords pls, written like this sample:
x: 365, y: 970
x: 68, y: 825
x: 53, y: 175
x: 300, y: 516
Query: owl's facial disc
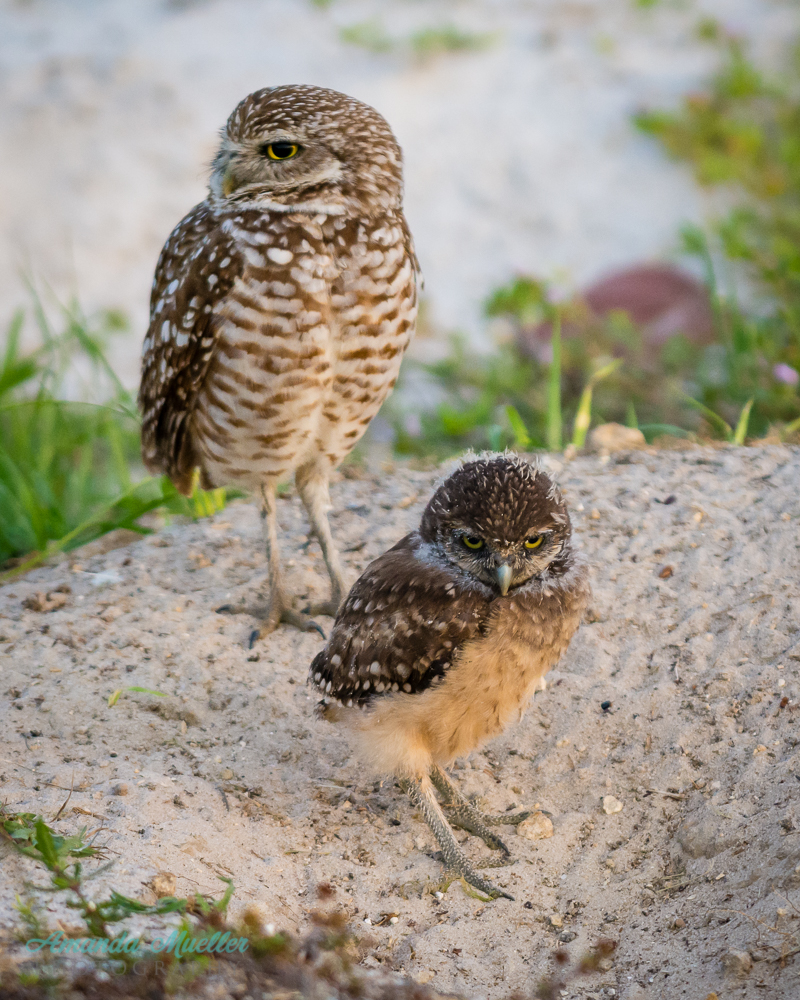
x: 272, y: 164
x: 502, y: 565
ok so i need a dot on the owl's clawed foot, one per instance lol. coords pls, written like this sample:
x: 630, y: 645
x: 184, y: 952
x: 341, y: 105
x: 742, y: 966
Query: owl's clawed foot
x: 457, y: 864
x: 277, y: 611
x: 464, y: 817
x: 463, y: 814
x: 329, y: 608
x: 480, y: 889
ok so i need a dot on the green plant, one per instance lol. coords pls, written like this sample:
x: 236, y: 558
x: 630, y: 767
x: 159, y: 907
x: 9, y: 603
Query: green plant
x: 70, y: 471
x: 743, y: 131
x: 369, y: 35
x: 62, y: 857
x: 430, y: 42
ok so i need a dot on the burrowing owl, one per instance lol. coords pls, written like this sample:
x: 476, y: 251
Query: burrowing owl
x: 280, y: 310
x: 444, y: 638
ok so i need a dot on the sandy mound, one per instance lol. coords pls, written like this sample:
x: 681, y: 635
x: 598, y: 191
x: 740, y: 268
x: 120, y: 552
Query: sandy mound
x: 677, y: 700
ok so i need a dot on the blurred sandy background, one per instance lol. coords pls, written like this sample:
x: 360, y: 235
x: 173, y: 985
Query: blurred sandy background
x: 520, y: 156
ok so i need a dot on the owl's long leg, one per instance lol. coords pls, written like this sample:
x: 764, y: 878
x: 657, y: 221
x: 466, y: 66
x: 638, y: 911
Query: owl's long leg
x: 463, y: 814
x: 279, y: 607
x: 421, y: 793
x: 312, y: 485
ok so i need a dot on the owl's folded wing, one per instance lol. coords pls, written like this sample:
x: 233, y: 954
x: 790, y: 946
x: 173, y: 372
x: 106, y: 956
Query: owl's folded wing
x: 196, y: 271
x: 400, y: 628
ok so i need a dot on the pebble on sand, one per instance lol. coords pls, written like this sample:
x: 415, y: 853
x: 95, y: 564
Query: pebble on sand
x: 536, y: 827
x: 611, y: 805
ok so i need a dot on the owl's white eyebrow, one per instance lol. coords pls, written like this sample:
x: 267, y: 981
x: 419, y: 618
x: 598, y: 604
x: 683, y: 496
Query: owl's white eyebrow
x: 307, y: 207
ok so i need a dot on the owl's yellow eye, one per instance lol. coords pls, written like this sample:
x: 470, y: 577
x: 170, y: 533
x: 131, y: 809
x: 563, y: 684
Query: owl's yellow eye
x: 534, y: 541
x: 472, y: 541
x: 281, y: 150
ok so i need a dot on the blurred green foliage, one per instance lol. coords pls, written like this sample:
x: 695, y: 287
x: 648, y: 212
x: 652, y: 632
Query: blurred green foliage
x: 427, y: 43
x: 741, y: 131
x: 70, y: 471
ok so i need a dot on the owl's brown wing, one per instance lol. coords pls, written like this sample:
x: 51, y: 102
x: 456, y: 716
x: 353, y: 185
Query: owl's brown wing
x: 400, y: 628
x: 196, y: 270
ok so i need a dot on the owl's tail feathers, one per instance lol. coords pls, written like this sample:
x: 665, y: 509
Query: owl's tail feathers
x: 167, y: 447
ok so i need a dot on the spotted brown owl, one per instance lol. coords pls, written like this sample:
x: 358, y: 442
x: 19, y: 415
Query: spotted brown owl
x: 444, y: 638
x: 280, y: 311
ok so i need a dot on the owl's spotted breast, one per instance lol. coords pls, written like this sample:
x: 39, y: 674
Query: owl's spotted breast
x: 278, y: 337
x: 311, y: 336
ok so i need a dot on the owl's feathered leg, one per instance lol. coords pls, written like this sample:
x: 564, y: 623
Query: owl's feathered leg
x: 312, y: 485
x: 421, y: 793
x: 463, y: 814
x: 279, y: 607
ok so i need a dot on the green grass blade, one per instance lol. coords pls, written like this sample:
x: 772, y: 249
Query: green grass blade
x: 791, y: 427
x: 583, y: 417
x: 522, y: 438
x: 716, y: 421
x: 740, y: 433
x: 553, y: 435
x: 652, y: 431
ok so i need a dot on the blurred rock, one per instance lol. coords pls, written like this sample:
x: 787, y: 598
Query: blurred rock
x: 615, y: 437
x: 536, y: 827
x: 660, y: 299
x: 701, y: 835
x: 163, y: 884
x: 737, y: 963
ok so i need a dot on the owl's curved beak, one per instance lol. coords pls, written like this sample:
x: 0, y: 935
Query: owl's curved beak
x: 229, y: 182
x: 504, y: 574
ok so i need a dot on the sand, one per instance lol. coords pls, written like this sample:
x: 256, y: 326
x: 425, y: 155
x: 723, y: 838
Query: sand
x: 663, y: 751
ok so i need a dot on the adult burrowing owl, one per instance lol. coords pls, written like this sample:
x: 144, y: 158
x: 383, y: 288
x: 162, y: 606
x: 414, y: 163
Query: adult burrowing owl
x: 280, y: 311
x: 445, y: 636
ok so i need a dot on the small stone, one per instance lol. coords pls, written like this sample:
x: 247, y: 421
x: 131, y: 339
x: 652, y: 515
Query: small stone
x: 611, y: 863
x: 737, y: 963
x: 536, y: 827
x: 51, y: 601
x: 227, y: 774
x: 556, y: 921
x: 111, y: 614
x: 424, y: 977
x: 567, y: 936
x: 605, y: 964
x: 702, y: 834
x: 393, y: 920
x: 420, y: 843
x: 120, y: 789
x: 438, y: 895
x: 678, y: 924
x: 615, y: 437
x: 611, y: 805
x: 163, y: 884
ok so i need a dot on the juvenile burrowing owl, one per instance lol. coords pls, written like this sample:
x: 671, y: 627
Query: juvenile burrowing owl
x: 280, y: 311
x: 444, y: 638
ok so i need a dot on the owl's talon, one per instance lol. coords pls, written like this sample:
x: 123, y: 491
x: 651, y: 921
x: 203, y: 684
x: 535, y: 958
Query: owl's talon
x: 507, y: 819
x: 286, y: 616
